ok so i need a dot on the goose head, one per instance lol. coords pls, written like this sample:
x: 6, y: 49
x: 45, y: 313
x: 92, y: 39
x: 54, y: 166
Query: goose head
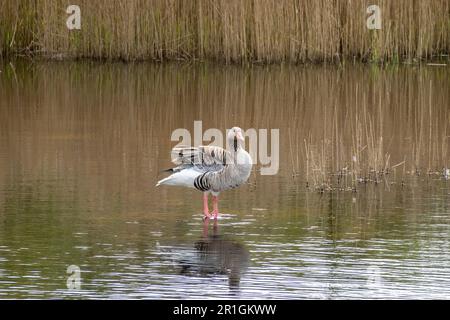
x: 235, y: 138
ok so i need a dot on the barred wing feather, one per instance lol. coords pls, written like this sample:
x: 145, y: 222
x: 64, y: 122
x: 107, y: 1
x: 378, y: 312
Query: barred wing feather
x: 203, y: 156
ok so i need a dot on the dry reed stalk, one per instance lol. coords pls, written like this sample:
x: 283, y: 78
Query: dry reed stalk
x: 228, y: 30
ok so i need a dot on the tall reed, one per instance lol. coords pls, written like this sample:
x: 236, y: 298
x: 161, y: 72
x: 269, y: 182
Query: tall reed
x: 227, y: 30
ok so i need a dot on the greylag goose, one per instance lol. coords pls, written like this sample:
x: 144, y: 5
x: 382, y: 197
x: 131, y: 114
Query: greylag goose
x: 211, y: 169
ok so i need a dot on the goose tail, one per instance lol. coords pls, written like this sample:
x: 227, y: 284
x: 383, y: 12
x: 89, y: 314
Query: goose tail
x: 163, y: 181
x: 181, y: 178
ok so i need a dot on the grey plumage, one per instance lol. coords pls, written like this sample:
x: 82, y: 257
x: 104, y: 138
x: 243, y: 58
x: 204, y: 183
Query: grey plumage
x: 210, y: 168
x: 200, y: 156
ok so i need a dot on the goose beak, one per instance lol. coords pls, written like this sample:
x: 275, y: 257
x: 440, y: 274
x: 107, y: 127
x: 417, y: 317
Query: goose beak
x: 239, y: 136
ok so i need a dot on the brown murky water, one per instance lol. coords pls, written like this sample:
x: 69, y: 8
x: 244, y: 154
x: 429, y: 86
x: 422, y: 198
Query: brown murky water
x: 82, y: 145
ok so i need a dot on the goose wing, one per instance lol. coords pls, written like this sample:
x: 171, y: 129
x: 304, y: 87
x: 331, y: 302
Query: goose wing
x: 204, y: 158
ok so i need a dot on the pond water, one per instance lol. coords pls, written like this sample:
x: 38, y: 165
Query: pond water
x: 83, y: 144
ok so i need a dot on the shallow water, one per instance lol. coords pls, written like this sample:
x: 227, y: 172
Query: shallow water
x: 82, y: 145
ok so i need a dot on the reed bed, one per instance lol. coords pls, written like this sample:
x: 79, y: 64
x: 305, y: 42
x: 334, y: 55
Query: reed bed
x: 353, y: 149
x: 262, y: 31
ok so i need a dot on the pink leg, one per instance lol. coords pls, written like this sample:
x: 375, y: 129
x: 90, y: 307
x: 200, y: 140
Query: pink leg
x: 205, y: 206
x: 215, y: 211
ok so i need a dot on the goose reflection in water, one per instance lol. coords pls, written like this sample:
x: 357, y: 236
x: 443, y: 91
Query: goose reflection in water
x: 217, y: 255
